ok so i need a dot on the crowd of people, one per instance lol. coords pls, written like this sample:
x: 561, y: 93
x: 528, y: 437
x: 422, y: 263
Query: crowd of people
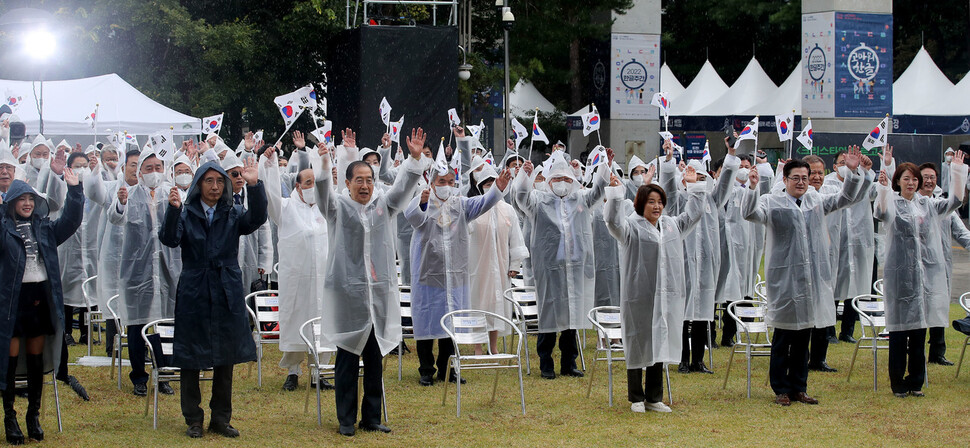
x: 667, y: 242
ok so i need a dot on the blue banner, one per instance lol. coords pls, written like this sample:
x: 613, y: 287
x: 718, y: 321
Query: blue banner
x: 864, y: 65
x: 694, y: 149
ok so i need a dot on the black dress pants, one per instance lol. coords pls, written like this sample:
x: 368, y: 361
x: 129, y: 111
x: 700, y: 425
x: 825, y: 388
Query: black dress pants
x: 136, y: 355
x: 346, y: 373
x: 937, y: 343
x: 653, y: 384
x: 545, y: 342
x: 819, y: 345
x: 906, y: 351
x: 220, y: 405
x: 693, y: 342
x: 788, y: 370
x: 427, y: 363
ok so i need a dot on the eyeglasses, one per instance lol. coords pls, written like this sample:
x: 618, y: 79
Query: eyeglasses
x: 235, y: 173
x: 798, y: 179
x: 214, y: 180
x: 364, y: 181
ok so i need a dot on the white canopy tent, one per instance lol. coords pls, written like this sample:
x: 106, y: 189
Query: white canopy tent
x: 784, y: 99
x: 953, y: 102
x: 525, y: 98
x: 669, y: 83
x: 751, y: 88
x: 706, y: 87
x: 121, y: 107
x: 922, y: 87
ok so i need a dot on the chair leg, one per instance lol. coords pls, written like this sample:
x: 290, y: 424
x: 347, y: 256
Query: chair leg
x: 457, y: 387
x: 592, y: 373
x: 57, y: 403
x: 747, y: 355
x: 319, y: 410
x: 259, y: 366
x: 852, y: 363
x: 384, y: 400
x: 306, y: 398
x: 87, y: 319
x: 670, y: 395
x: 875, y: 364
x: 117, y: 345
x: 580, y: 345
x: 728, y: 373
x: 962, y: 352
x: 528, y: 359
x: 400, y: 350
x: 609, y: 377
x: 521, y: 386
x: 495, y: 385
x: 710, y: 349
x: 444, y: 393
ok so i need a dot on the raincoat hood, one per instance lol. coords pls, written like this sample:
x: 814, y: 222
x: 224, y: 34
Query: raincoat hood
x: 194, y: 195
x: 19, y: 188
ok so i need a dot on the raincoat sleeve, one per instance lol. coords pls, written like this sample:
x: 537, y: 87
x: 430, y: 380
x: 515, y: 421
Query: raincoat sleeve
x: 958, y: 179
x: 848, y: 195
x: 387, y: 172
x: 522, y: 193
x: 326, y: 199
x: 884, y: 208
x: 414, y: 214
x: 479, y: 205
x: 958, y: 230
x: 118, y: 212
x: 692, y: 214
x: 254, y: 218
x: 170, y: 232
x: 67, y: 224
x: 722, y: 189
x: 95, y: 189
x: 601, y: 178
x: 776, y: 177
x: 752, y: 207
x: 518, y: 251
x: 668, y: 181
x: 209, y: 156
x: 265, y: 238
x: 269, y: 172
x: 616, y: 223
x: 55, y: 189
x: 403, y: 188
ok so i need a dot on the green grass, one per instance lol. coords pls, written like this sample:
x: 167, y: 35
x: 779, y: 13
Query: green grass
x: 558, y: 412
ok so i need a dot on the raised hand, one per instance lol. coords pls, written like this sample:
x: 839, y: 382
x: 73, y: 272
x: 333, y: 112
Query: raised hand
x: 250, y: 174
x: 386, y: 140
x: 609, y: 156
x: 614, y: 181
x: 458, y: 131
x: 883, y: 178
x: 416, y: 142
x: 957, y: 158
x: 503, y: 179
x: 425, y: 195
x: 668, y: 149
x: 248, y: 141
x: 348, y: 138
x: 299, y: 140
x: 866, y: 162
x: 123, y: 195
x: 78, y: 148
x: 887, y: 155
x: 528, y: 167
x: 753, y: 179
x: 59, y: 162
x: 270, y: 156
x: 323, y: 151
x: 510, y: 144
x: 651, y: 171
x: 853, y: 158
x: 70, y: 177
x: 174, y: 199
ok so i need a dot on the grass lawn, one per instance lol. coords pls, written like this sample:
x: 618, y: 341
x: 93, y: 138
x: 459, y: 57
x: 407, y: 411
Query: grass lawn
x: 558, y: 412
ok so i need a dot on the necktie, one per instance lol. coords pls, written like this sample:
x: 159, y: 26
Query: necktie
x: 798, y: 203
x: 237, y: 199
x: 208, y: 215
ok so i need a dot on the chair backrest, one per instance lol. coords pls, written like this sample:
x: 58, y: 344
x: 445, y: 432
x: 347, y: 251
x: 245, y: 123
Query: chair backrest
x: 872, y: 313
x: 165, y: 329
x: 965, y: 302
x: 470, y: 327
x: 310, y: 331
x: 878, y: 286
x: 761, y: 291
x: 266, y: 307
x: 750, y: 318
x: 276, y: 268
x: 527, y: 301
x: 405, y: 294
x: 111, y: 304
x: 89, y: 289
x: 606, y: 320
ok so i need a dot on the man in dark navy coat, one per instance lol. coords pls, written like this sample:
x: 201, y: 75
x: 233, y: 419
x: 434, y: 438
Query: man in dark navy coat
x: 211, y: 320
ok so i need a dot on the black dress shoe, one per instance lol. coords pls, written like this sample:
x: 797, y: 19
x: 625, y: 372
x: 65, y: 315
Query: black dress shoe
x: 833, y: 340
x: 452, y: 379
x: 375, y: 427
x: 848, y: 338
x: 69, y: 340
x: 348, y: 431
x: 549, y: 375
x: 141, y: 390
x: 426, y: 380
x: 77, y: 387
x: 572, y: 372
x: 291, y: 383
x: 683, y: 368
x: 727, y: 344
x: 823, y: 367
x: 701, y: 368
x: 194, y: 431
x: 12, y: 429
x: 325, y: 385
x: 165, y: 389
x: 224, y: 430
x: 941, y: 360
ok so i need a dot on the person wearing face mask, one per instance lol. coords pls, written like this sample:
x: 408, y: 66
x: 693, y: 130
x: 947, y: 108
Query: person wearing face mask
x: 78, y: 261
x: 31, y: 330
x: 945, y: 170
x: 183, y: 172
x: 43, y: 172
x: 916, y: 293
x: 701, y: 248
x: 109, y: 161
x: 637, y: 170
x: 255, y: 249
x: 798, y: 273
x: 952, y: 229
x: 561, y: 249
x: 361, y: 304
x: 38, y: 158
x: 303, y: 238
x: 149, y: 271
x: 439, y: 262
x: 652, y: 292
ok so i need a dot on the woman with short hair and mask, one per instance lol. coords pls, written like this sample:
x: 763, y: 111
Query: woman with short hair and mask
x: 561, y: 250
x: 439, y: 261
x: 149, y: 271
x: 78, y: 259
x: 31, y: 332
x: 303, y: 241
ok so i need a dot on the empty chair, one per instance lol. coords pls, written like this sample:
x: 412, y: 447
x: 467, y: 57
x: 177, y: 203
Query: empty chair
x: 872, y: 320
x: 265, y: 312
x: 407, y: 327
x: 469, y: 328
x: 120, y: 339
x: 965, y: 304
x: 159, y: 337
x: 606, y: 322
x: 749, y: 315
x: 93, y: 316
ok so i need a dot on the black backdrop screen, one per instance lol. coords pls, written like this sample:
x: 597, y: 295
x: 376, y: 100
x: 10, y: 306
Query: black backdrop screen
x: 416, y: 68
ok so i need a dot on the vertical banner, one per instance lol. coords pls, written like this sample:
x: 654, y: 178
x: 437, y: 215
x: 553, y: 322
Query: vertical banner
x: 818, y: 70
x: 694, y: 149
x: 864, y: 68
x: 635, y: 73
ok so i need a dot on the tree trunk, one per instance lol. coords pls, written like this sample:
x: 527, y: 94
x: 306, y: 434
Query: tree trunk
x: 575, y: 83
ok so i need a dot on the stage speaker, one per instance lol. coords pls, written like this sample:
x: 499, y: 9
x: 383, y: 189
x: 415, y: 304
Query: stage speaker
x: 415, y: 68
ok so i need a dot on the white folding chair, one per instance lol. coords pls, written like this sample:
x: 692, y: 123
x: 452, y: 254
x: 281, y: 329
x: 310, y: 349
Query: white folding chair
x: 93, y: 316
x: 317, y: 352
x: 749, y: 315
x: 469, y: 328
x: 265, y: 312
x: 872, y: 320
x: 407, y: 327
x: 525, y: 315
x: 761, y: 291
x: 120, y: 334
x: 164, y: 329
x: 878, y: 286
x: 606, y: 322
x: 965, y: 304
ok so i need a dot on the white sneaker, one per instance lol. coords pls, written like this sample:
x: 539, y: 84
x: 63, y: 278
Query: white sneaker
x: 657, y: 407
x: 638, y: 407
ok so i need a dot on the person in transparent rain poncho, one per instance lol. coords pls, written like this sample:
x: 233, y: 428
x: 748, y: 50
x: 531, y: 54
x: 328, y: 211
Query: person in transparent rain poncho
x: 303, y: 243
x: 255, y: 249
x: 798, y: 270
x: 561, y: 250
x: 361, y: 304
x: 916, y: 292
x: 149, y: 271
x: 652, y: 288
x: 701, y: 247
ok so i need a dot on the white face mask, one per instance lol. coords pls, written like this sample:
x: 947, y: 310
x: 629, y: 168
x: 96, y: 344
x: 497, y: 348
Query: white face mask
x: 444, y: 193
x: 183, y: 180
x: 700, y: 185
x: 578, y: 173
x: 742, y: 175
x: 844, y: 171
x: 948, y: 158
x: 82, y: 173
x: 152, y: 180
x: 309, y: 195
x: 37, y: 163
x: 541, y: 186
x: 560, y: 188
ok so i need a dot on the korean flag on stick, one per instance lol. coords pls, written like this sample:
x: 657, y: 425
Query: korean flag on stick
x: 396, y: 127
x: 212, y: 125
x: 747, y: 141
x: 520, y: 132
x: 805, y: 137
x: 591, y: 121
x: 878, y: 136
x: 784, y: 124
x: 537, y: 134
x: 163, y: 143
x: 385, y: 110
x: 660, y: 100
x: 291, y: 106
x: 324, y: 134
x: 453, y: 118
x: 93, y: 117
